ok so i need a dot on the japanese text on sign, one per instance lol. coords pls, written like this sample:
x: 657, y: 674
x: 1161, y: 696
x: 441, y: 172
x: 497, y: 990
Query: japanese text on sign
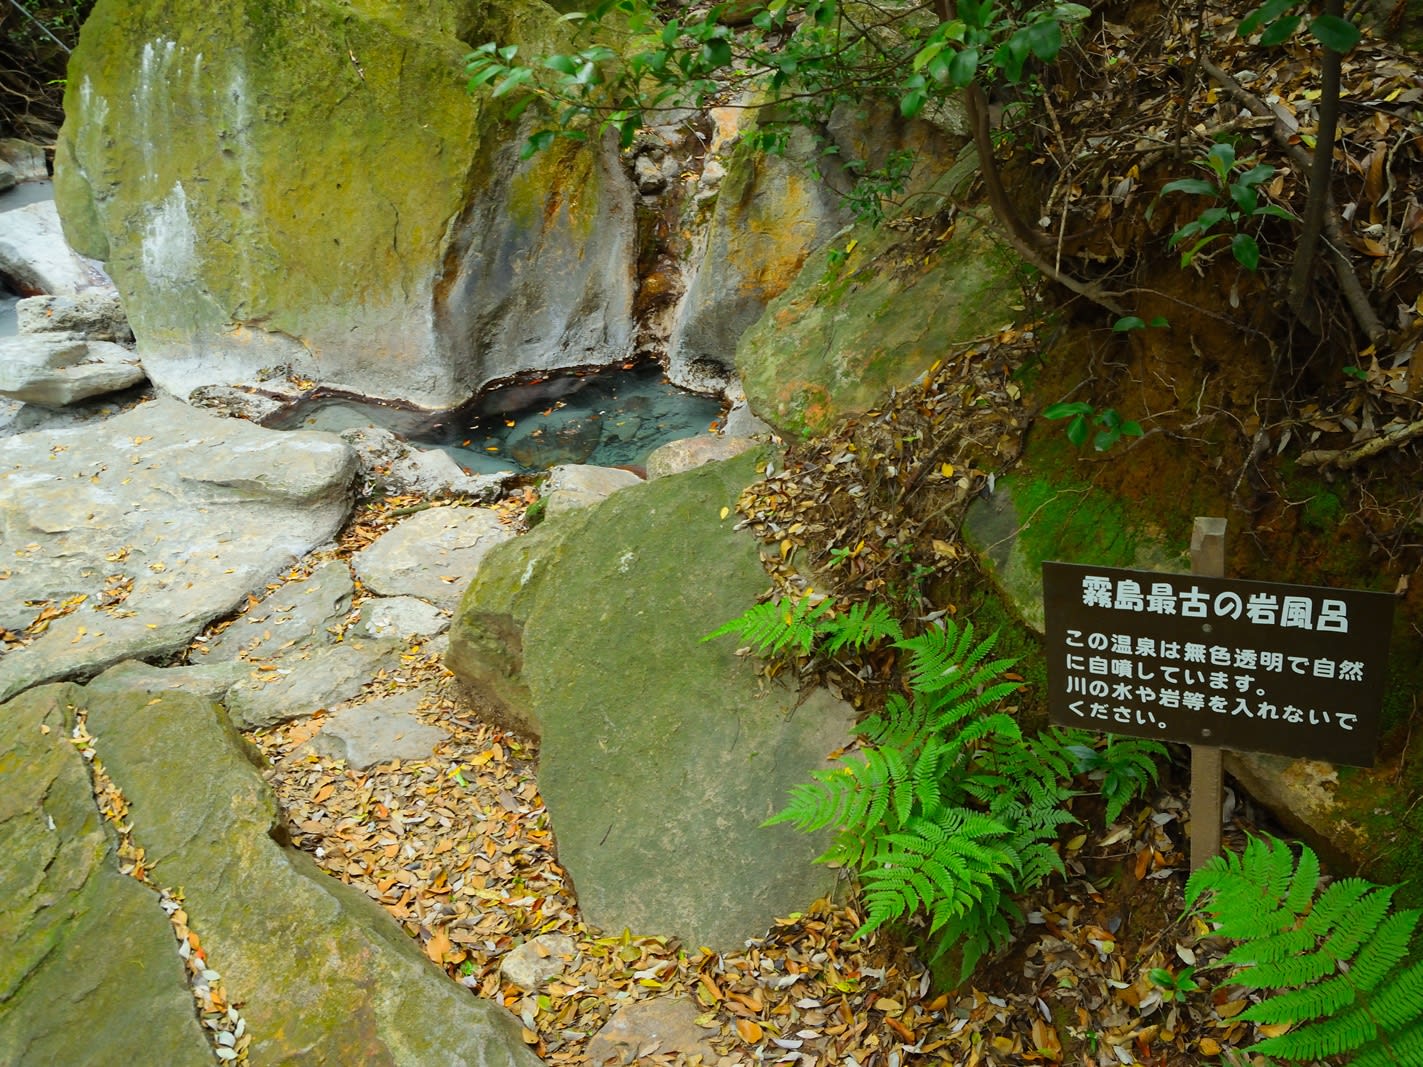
x: 1293, y: 670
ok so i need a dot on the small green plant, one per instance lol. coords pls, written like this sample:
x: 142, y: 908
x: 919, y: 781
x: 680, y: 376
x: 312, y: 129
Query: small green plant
x: 1124, y: 768
x: 1112, y: 427
x: 1340, y: 960
x: 797, y: 625
x: 948, y: 810
x: 1239, y: 196
x: 1127, y: 323
x: 1174, y: 986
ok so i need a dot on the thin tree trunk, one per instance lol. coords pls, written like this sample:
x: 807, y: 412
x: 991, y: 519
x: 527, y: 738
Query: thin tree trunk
x: 1321, y: 174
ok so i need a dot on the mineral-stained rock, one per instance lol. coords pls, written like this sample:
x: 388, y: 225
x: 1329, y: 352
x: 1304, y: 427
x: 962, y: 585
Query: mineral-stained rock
x: 825, y: 349
x: 89, y: 967
x: 136, y: 532
x: 432, y: 554
x: 324, y: 976
x: 217, y: 157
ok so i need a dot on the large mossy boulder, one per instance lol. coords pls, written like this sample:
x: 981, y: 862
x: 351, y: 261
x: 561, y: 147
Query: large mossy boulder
x: 310, y: 188
x: 89, y: 967
x: 871, y: 313
x: 661, y: 754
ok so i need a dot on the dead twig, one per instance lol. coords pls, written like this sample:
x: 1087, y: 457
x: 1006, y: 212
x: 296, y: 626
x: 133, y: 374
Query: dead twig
x: 1344, y: 458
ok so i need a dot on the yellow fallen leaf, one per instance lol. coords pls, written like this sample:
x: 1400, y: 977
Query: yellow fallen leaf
x: 725, y: 512
x: 750, y: 1030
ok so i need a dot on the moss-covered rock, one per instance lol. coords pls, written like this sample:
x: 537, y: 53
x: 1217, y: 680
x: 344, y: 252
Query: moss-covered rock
x: 311, y: 186
x: 869, y: 313
x: 322, y: 973
x: 486, y: 648
x: 89, y: 967
x: 661, y: 754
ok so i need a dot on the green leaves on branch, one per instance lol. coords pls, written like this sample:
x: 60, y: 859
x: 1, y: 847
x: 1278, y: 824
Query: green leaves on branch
x: 809, y: 54
x: 985, y: 40
x: 1239, y: 196
x: 1277, y: 23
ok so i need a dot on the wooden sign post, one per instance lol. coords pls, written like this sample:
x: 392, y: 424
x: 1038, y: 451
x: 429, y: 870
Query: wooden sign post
x: 1216, y: 663
x: 1207, y: 784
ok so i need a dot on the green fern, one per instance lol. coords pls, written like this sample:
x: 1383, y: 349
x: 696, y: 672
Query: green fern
x: 1125, y: 767
x: 858, y: 628
x: 947, y: 811
x: 776, y: 625
x: 798, y: 625
x: 1338, y: 958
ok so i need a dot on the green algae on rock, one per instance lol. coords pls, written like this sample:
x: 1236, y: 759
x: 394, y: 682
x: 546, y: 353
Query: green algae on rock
x: 312, y: 188
x: 869, y: 314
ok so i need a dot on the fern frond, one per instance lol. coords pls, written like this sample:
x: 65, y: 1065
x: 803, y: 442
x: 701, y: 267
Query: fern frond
x: 1318, y: 1040
x: 1401, y: 1001
x: 819, y: 803
x: 862, y: 625
x: 900, y: 724
x: 1304, y: 883
x: 1307, y: 1002
x: 1402, y: 1049
x: 1337, y: 956
x: 776, y: 625
x: 1342, y: 903
x: 1386, y: 948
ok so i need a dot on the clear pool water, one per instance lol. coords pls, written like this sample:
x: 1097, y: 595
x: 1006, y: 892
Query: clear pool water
x: 611, y: 417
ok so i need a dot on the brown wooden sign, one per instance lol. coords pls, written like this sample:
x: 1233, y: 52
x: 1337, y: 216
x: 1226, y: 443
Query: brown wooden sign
x: 1257, y: 666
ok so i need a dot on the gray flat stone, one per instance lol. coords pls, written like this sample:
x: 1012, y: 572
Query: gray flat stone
x: 35, y: 257
x: 432, y: 554
x: 377, y: 731
x: 573, y: 486
x: 194, y: 511
x: 89, y: 967
x: 400, y: 616
x: 208, y: 680
x: 651, y: 1027
x: 299, y: 614
x: 677, y: 456
x: 97, y: 314
x: 305, y: 680
x: 69, y: 385
x: 537, y: 960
